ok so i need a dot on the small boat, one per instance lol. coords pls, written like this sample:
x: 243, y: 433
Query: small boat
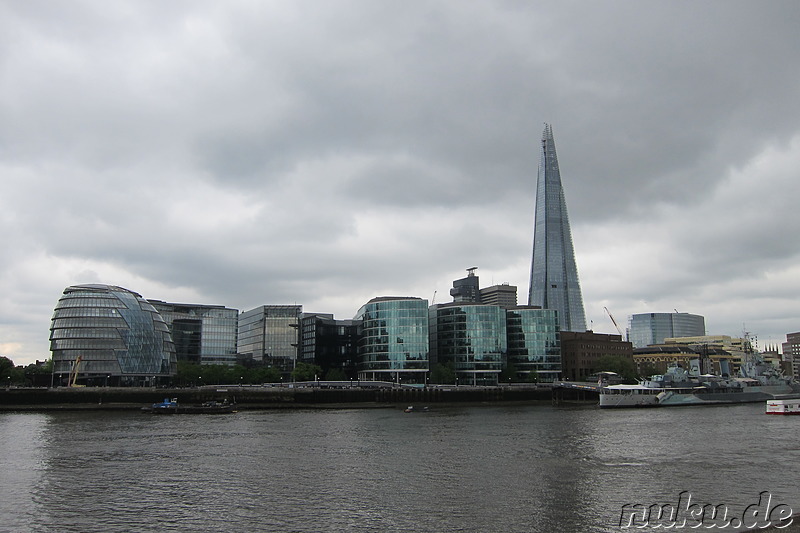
x: 172, y: 407
x: 783, y: 407
x: 412, y: 409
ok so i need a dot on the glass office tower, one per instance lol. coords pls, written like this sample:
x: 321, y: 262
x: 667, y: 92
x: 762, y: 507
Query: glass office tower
x: 107, y: 335
x: 269, y: 334
x: 653, y: 328
x: 202, y: 334
x: 534, y: 343
x: 473, y: 338
x: 393, y: 340
x: 554, y: 274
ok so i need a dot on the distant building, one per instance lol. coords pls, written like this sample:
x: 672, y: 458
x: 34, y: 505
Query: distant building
x: 331, y: 344
x: 791, y: 351
x: 652, y: 328
x: 472, y: 337
x: 393, y: 339
x: 580, y: 352
x: 269, y: 334
x: 466, y: 289
x: 736, y: 348
x: 203, y: 334
x: 534, y: 343
x: 108, y: 335
x: 660, y: 356
x: 554, y: 280
x: 504, y: 295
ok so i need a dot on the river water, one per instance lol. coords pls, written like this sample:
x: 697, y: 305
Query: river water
x: 492, y: 468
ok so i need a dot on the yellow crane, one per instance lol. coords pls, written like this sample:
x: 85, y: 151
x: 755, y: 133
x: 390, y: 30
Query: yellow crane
x: 73, y: 374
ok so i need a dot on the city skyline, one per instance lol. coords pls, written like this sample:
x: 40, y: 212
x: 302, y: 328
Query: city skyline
x: 245, y: 154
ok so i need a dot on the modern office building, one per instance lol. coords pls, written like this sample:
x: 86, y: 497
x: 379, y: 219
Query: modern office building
x: 467, y: 289
x: 269, y: 335
x: 534, y: 343
x: 471, y: 337
x: 108, y: 335
x: 393, y: 339
x: 581, y: 351
x: 504, y: 295
x: 329, y: 343
x: 202, y: 334
x: 554, y: 274
x: 653, y: 328
x: 791, y: 352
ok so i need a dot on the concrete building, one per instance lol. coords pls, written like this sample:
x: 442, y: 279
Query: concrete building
x: 791, y: 352
x: 581, y: 350
x: 504, y: 295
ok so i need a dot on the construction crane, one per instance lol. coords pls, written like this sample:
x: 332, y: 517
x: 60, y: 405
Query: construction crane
x: 615, y: 323
x: 73, y: 374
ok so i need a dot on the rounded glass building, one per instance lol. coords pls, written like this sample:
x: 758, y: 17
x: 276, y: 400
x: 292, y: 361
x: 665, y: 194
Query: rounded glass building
x: 534, y: 343
x: 108, y: 335
x: 473, y: 338
x: 393, y: 340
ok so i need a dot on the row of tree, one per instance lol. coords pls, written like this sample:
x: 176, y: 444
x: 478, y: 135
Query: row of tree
x: 192, y: 374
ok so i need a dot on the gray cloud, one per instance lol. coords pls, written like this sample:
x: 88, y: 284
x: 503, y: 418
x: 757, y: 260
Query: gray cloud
x: 324, y: 153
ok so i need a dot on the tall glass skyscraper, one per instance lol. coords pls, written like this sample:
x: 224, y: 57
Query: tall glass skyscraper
x: 554, y: 274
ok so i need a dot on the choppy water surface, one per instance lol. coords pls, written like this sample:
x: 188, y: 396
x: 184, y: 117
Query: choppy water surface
x: 497, y: 468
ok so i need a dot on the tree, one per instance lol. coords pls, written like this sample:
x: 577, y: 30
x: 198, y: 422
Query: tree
x: 508, y: 374
x: 306, y: 372
x: 615, y: 363
x: 443, y: 373
x: 335, y: 374
x: 6, y: 365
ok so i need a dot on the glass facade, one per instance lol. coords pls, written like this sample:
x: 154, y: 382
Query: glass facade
x: 653, y: 328
x: 329, y: 343
x: 204, y: 334
x: 393, y: 340
x: 471, y: 337
x: 113, y: 335
x: 270, y: 334
x: 533, y: 343
x: 554, y: 275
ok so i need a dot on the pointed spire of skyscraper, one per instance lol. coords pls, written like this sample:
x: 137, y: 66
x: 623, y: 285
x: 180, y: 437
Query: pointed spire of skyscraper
x: 554, y: 275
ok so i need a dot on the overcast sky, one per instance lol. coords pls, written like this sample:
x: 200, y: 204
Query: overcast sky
x: 326, y: 152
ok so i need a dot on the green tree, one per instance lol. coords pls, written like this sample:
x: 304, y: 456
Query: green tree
x: 6, y: 365
x: 264, y: 374
x: 615, y: 363
x: 443, y: 373
x: 508, y: 374
x: 306, y: 372
x: 335, y: 374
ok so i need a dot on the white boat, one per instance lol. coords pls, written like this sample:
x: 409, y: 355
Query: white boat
x: 783, y: 407
x: 757, y: 382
